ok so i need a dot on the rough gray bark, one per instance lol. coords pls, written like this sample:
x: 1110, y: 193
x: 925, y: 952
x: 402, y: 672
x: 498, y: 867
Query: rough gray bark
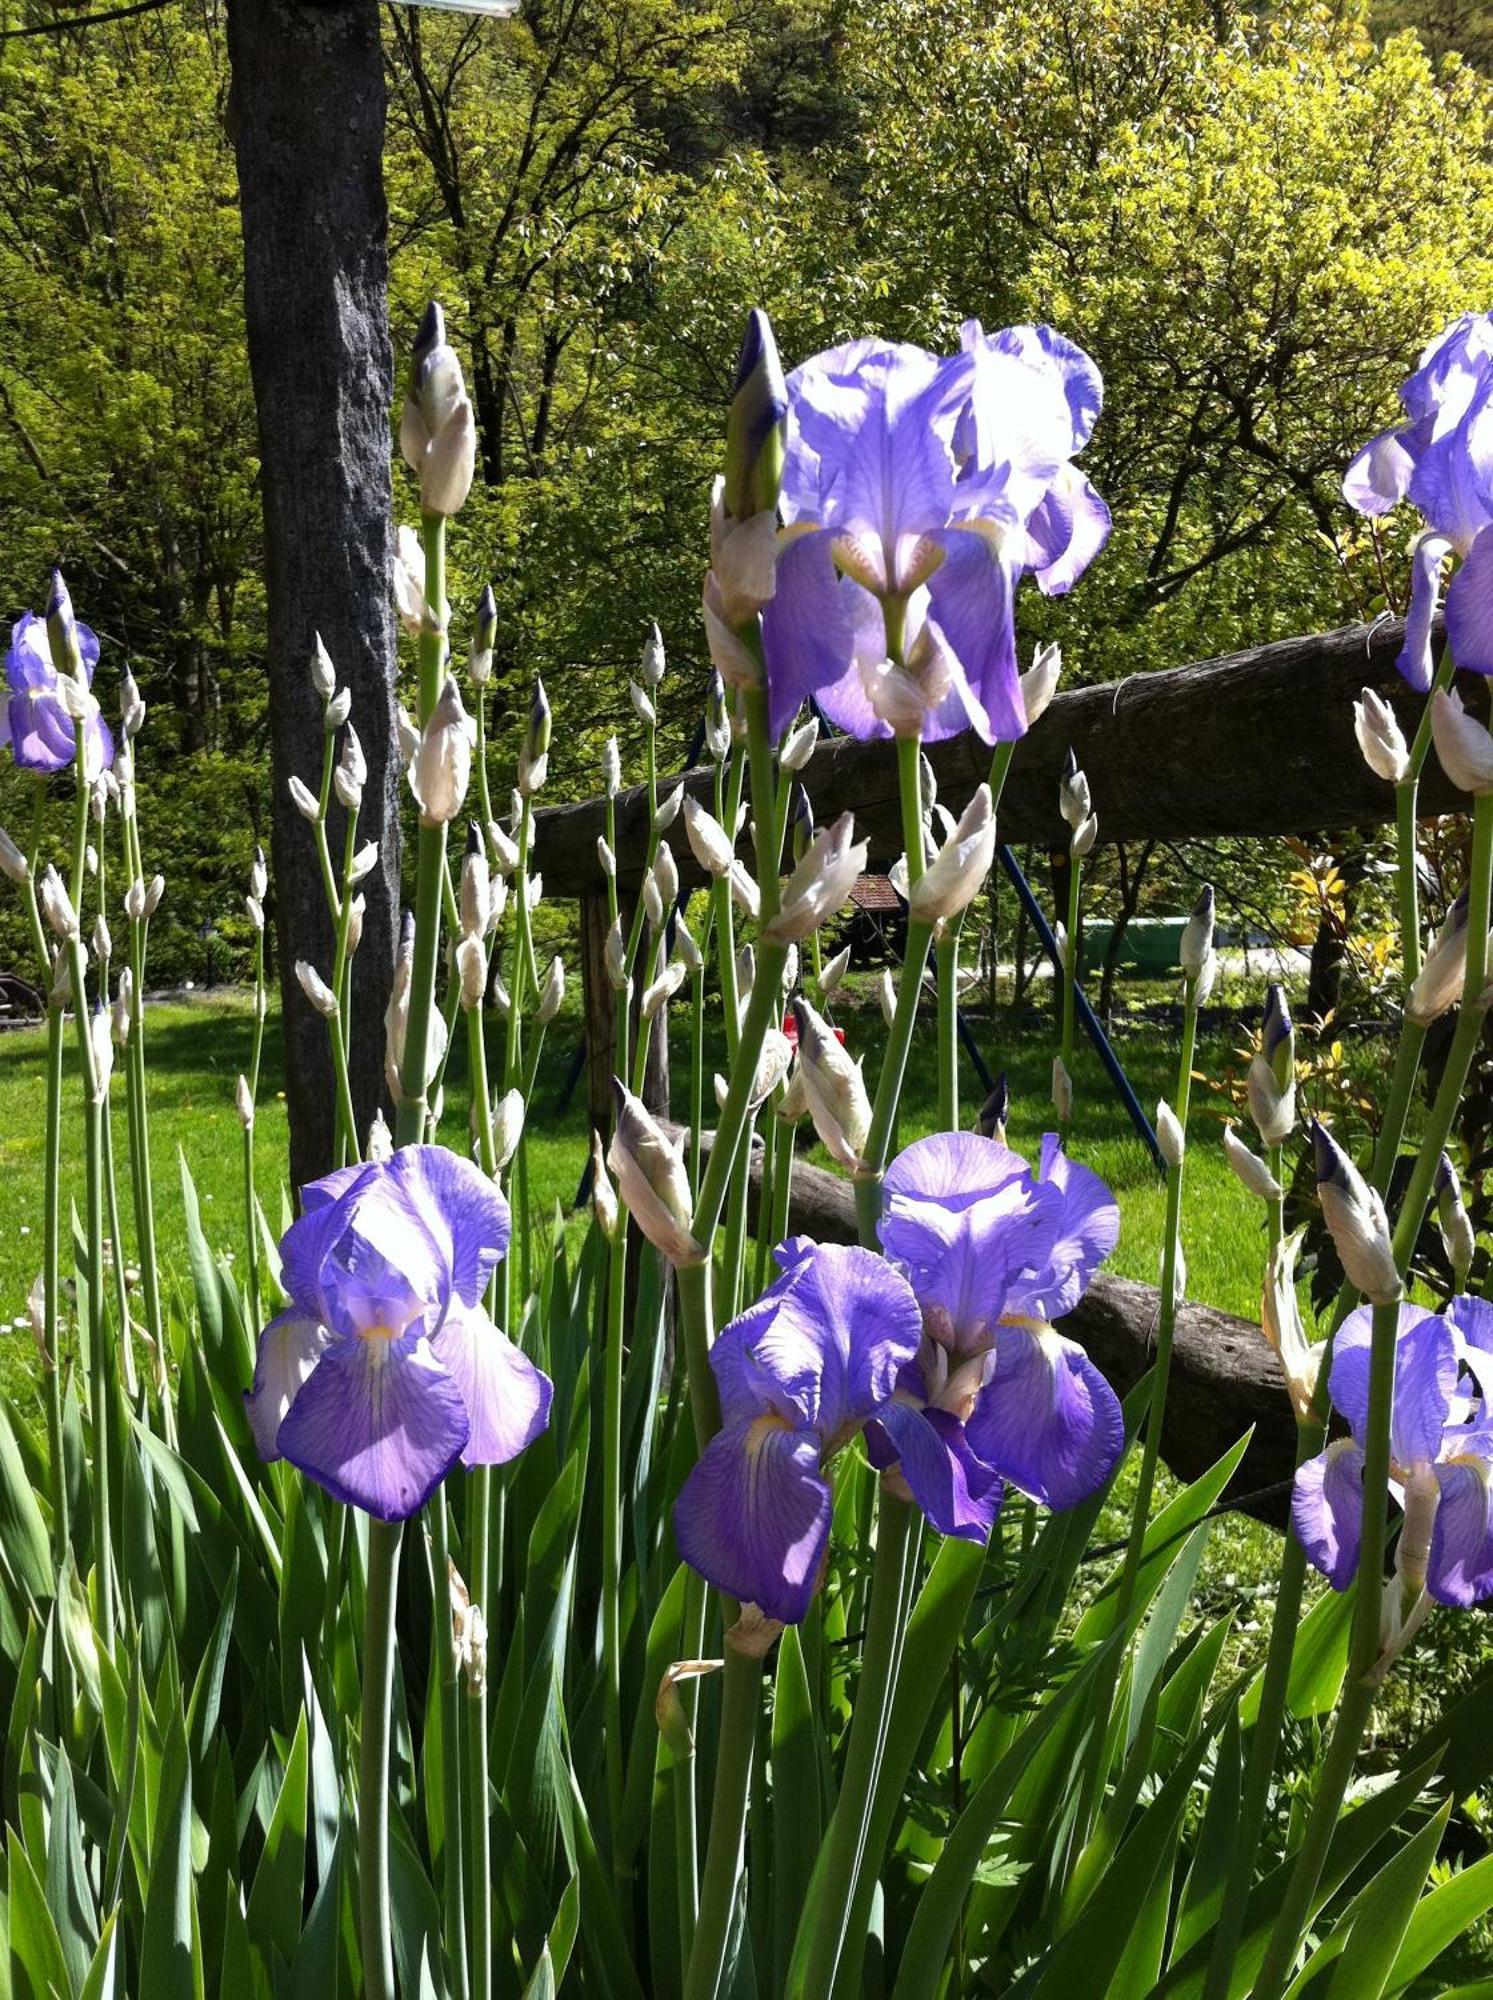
x: 1225, y: 1379
x: 1276, y: 720
x: 307, y: 116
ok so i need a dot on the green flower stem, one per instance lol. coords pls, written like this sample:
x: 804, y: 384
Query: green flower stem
x: 611, y: 1542
x: 1407, y: 889
x: 347, y: 1124
x: 1363, y: 1667
x: 725, y: 930
x: 51, y: 1284
x: 812, y: 1976
x: 1465, y: 1039
x: 479, y: 770
x: 764, y: 800
x: 741, y: 1703
x: 480, y: 1586
x: 100, y: 1390
x: 1070, y: 979
x: 138, y: 1098
x: 1275, y: 1157
x: 947, y: 959
x: 375, y: 1926
x: 430, y: 869
x: 733, y: 1264
x: 33, y: 908
x: 696, y: 1078
x: 446, y: 1687
x: 126, y: 1346
x: 251, y: 1218
x: 319, y: 826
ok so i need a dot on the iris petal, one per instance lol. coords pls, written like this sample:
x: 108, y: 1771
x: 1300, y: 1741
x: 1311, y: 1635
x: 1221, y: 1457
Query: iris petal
x: 1047, y: 1420
x: 958, y: 1492
x: 1460, y: 1569
x: 289, y: 1349
x: 1327, y: 1510
x: 1085, y: 1229
x: 1425, y: 1380
x: 807, y: 632
x: 1469, y: 608
x: 753, y: 1516
x: 379, y: 1424
x: 507, y: 1398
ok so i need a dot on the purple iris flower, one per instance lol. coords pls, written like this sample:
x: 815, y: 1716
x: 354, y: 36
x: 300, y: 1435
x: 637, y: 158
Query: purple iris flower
x: 1441, y: 460
x: 917, y: 491
x: 1441, y: 1451
x: 799, y: 1373
x: 995, y: 1393
x: 35, y: 721
x: 386, y: 1369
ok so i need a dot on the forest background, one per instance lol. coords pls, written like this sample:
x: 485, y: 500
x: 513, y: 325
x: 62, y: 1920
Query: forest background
x: 1251, y: 219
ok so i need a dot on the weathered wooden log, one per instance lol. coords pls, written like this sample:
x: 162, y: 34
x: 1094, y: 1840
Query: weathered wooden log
x: 1258, y: 742
x: 1225, y: 1379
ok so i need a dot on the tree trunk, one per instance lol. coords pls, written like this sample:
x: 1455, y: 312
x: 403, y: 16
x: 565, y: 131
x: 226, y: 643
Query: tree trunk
x: 307, y: 117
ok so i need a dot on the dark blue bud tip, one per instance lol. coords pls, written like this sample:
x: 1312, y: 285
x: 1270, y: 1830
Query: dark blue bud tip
x: 487, y: 605
x: 1327, y: 1158
x: 407, y: 930
x: 619, y: 1095
x: 57, y: 599
x: 759, y: 358
x: 1446, y: 1174
x: 432, y: 332
x: 474, y: 837
x: 803, y: 812
x: 1070, y: 763
x: 539, y: 703
x: 1203, y: 907
x: 798, y: 1007
x: 1277, y: 1021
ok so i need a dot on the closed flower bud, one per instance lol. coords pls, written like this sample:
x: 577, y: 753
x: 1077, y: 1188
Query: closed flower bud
x: 1248, y: 1168
x: 668, y: 809
x: 507, y: 1126
x: 709, y: 842
x: 443, y: 763
x: 243, y: 1103
x: 323, y: 673
x: 820, y: 884
x: 794, y: 1102
x: 651, y: 665
x: 1438, y: 985
x: 994, y: 1112
x: 1062, y: 1090
x: 834, y: 971
x: 744, y: 891
x: 468, y: 1634
x: 409, y: 738
x: 380, y: 1144
x: 484, y: 637
x: 652, y: 1179
x: 1169, y: 1135
x: 799, y: 745
x: 552, y: 998
x: 338, y: 709
x: 1280, y: 1320
x: 103, y: 944
x: 450, y: 463
x: 134, y: 901
x: 57, y: 905
x: 666, y: 874
x: 60, y: 993
x: 533, y: 758
x: 658, y: 995
x: 476, y: 886
x: 1458, y: 1238
x: 958, y: 872
x: 1380, y: 738
x: 717, y: 720
x: 303, y: 799
x: 835, y: 1088
x: 886, y: 996
x: 746, y: 973
x: 642, y: 705
x: 90, y: 858
x: 605, y: 858
x: 409, y: 581
x: 1355, y: 1216
x: 603, y: 1195
x: 504, y: 848
x: 316, y: 989
x: 62, y: 631
x: 790, y: 970
x: 611, y: 768
x: 102, y: 1043
x: 471, y: 971
x: 801, y: 822
x: 356, y: 910
x: 1039, y: 683
x: 653, y: 902
x: 756, y: 427
x: 1272, y: 1108
x: 12, y: 862
x: 122, y: 1011
x: 1074, y: 802
x: 154, y: 890
x: 259, y: 875
x: 615, y: 955
x: 1463, y: 747
x: 349, y: 791
x: 1196, y: 947
x: 131, y: 705
x: 363, y: 863
x: 690, y: 955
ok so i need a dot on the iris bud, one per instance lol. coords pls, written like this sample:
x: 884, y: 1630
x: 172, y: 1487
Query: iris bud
x: 717, y: 720
x: 409, y: 581
x: 533, y: 758
x: 303, y: 799
x: 1438, y: 984
x: 653, y: 902
x: 351, y: 773
x: 611, y: 768
x: 1271, y: 1083
x: 652, y: 1179
x: 103, y: 944
x: 507, y: 1126
x: 886, y: 995
x: 1463, y: 747
x: 1062, y: 1090
x: 316, y: 989
x: 834, y: 971
x: 1074, y: 801
x: 57, y: 906
x: 1040, y: 681
x: 102, y: 1046
x: 504, y: 848
x: 958, y: 872
x: 12, y: 862
x: 799, y: 745
x: 484, y: 636
x: 606, y: 858
x: 834, y: 1087
x: 1380, y: 738
x: 1248, y: 1168
x: 658, y: 995
x: 615, y: 955
x: 1169, y: 1135
x: 603, y: 1194
x: 642, y: 705
x: 380, y: 1139
x: 690, y: 955
x: 259, y: 875
x: 243, y: 1103
x: 471, y: 971
x: 744, y: 891
x: 323, y: 673
x: 651, y: 665
x: 802, y: 816
x: 1458, y: 1238
x: 553, y: 996
x: 666, y: 875
x: 995, y: 1111
x: 1280, y: 1320
x: 123, y: 1009
x: 757, y: 425
x: 356, y: 910
x: 363, y: 863
x: 709, y: 842
x: 821, y: 882
x: 131, y: 705
x: 62, y: 631
x: 1355, y: 1216
x: 155, y: 889
x: 668, y: 809
x: 442, y: 767
x: 338, y: 709
x: 746, y: 974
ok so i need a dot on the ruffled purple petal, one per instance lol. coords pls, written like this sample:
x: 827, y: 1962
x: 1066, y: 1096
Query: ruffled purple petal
x: 808, y: 638
x: 42, y: 737
x: 1379, y: 477
x: 461, y: 1208
x: 1473, y: 1319
x: 1065, y: 533
x: 753, y: 1516
x: 1085, y: 1229
x: 865, y: 451
x: 1425, y: 1380
x: 953, y: 1169
x: 1469, y: 609
x: 960, y: 1495
x: 289, y: 1348
x: 307, y: 1244
x: 28, y: 664
x: 971, y: 599
x: 1414, y: 661
x: 98, y: 751
x: 1017, y: 429
x: 1452, y: 483
x: 1327, y: 1510
x: 507, y: 1398
x: 1047, y: 1420
x: 378, y: 1423
x: 965, y: 1262
x: 1460, y: 1569
x: 823, y: 1346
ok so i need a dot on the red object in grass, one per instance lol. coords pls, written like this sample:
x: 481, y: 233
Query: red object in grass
x: 790, y: 1029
